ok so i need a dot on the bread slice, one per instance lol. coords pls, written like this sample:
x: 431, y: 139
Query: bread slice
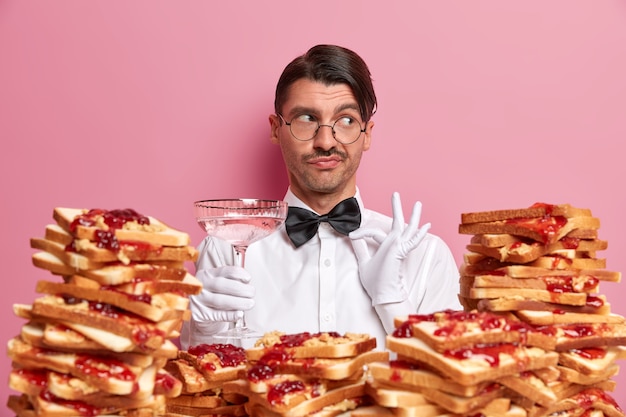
x: 522, y: 252
x: 546, y: 230
x: 595, y: 304
x: 589, y: 335
x: 546, y: 318
x: 493, y: 267
x: 576, y: 377
x: 193, y: 380
x: 143, y: 333
x: 591, y: 360
x: 125, y: 251
x: 574, y: 299
x: 155, y: 307
x: 537, y: 210
x: 313, y: 345
x: 392, y: 397
x: 529, y: 385
x: 560, y: 283
x: 294, y: 402
x: 230, y: 410
x: 448, y: 330
x: 409, y: 375
x: 324, y: 368
x: 114, y: 377
x: 216, y: 362
x: 113, y: 274
x: 475, y: 365
x: 84, y: 224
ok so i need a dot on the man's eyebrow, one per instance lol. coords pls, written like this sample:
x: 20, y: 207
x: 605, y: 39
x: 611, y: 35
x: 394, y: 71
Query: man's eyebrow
x: 309, y: 110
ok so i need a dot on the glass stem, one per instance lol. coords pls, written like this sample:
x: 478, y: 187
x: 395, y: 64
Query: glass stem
x: 240, y: 260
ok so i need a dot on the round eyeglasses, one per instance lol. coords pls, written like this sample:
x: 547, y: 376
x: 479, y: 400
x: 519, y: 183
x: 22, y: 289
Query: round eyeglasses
x: 304, y: 127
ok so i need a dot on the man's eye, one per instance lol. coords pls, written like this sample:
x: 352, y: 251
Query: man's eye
x: 305, y: 118
x: 346, y: 121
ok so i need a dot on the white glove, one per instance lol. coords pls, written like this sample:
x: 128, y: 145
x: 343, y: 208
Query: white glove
x: 225, y: 295
x: 380, y: 273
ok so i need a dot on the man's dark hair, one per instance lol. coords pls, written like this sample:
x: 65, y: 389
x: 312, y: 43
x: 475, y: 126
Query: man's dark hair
x: 330, y: 64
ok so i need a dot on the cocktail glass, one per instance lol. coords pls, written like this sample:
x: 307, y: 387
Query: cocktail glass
x: 240, y: 222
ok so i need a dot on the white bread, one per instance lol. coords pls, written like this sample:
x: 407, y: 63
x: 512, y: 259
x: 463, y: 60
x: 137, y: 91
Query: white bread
x: 529, y: 385
x: 68, y: 263
x: 141, y: 332
x: 193, y: 380
x: 546, y: 318
x: 328, y: 368
x: 537, y: 210
x: 546, y: 230
x: 155, y: 232
x: 594, y: 305
x: 216, y: 362
x: 412, y: 376
x: 588, y: 335
x: 126, y: 252
x: 475, y: 369
x: 522, y: 252
x: 156, y: 307
x: 448, y: 330
x: 313, y: 345
x: 297, y: 403
x: 571, y: 283
x: 120, y: 378
x: 592, y: 361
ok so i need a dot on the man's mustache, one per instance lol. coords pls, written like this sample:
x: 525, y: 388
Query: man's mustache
x: 326, y: 154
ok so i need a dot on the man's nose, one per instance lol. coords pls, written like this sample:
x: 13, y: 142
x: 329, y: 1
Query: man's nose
x: 325, y: 137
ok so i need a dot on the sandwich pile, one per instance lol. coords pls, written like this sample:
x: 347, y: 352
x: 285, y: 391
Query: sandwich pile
x: 97, y: 340
x: 536, y: 337
x: 302, y: 374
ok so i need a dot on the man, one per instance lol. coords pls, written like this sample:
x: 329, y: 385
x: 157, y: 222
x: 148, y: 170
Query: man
x: 344, y: 278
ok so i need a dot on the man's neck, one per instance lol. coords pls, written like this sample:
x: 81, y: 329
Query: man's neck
x: 322, y: 203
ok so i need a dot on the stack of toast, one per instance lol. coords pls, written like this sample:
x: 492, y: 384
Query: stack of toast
x: 540, y: 265
x: 203, y: 371
x: 97, y: 340
x: 301, y: 374
x: 454, y: 362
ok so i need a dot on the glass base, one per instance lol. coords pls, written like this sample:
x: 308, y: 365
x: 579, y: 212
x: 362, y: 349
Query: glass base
x: 238, y: 336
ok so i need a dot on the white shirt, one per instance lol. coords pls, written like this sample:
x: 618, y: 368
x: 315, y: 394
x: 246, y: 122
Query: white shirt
x: 316, y: 287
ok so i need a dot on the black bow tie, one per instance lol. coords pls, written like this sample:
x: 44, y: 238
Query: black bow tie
x: 302, y: 224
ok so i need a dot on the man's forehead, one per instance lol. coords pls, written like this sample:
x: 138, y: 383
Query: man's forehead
x: 305, y: 92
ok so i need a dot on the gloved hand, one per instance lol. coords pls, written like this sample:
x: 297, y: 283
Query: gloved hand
x: 380, y: 272
x: 226, y: 294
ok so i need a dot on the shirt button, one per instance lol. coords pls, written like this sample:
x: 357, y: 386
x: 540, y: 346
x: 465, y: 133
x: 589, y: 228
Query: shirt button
x: 327, y: 262
x: 327, y: 317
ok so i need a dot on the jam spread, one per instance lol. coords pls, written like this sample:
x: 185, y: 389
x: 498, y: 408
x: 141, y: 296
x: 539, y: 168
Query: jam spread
x: 113, y: 219
x: 547, y: 226
x: 228, y: 355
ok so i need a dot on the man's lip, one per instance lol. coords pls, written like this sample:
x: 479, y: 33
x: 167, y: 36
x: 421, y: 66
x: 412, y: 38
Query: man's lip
x: 325, y: 162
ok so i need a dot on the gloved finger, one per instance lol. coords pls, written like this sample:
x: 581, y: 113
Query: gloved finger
x: 225, y: 302
x: 202, y: 313
x: 398, y: 215
x: 227, y: 286
x: 376, y: 234
x: 360, y: 250
x: 414, y: 222
x: 415, y: 240
x: 233, y: 272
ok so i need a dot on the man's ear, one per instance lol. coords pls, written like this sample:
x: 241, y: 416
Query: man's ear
x: 275, y: 124
x: 367, y: 141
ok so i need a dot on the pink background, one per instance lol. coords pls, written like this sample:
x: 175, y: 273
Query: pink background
x: 151, y: 105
